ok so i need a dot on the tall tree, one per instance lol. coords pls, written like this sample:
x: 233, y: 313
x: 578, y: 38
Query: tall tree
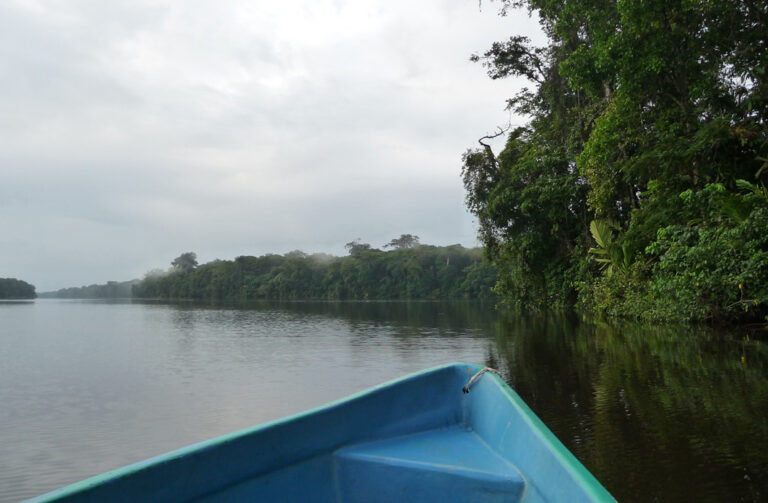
x: 357, y: 246
x: 404, y: 241
x: 186, y: 262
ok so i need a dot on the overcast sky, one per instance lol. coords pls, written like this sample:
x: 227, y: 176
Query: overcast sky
x: 134, y: 130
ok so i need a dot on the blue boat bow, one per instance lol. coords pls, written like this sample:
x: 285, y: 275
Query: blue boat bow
x: 416, y: 439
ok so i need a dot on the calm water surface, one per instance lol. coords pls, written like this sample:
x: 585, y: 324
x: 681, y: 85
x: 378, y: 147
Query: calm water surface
x: 656, y: 415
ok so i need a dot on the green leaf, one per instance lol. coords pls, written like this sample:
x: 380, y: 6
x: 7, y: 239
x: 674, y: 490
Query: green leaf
x: 601, y: 232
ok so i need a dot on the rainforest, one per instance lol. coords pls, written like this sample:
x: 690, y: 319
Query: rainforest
x: 637, y: 187
x: 407, y: 271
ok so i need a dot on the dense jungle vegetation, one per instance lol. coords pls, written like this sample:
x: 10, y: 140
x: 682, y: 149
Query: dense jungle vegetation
x: 12, y: 288
x: 408, y: 271
x: 637, y: 188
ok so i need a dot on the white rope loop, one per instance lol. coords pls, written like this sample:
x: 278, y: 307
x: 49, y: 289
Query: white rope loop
x: 475, y: 377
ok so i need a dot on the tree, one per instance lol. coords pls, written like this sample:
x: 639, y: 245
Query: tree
x: 404, y: 241
x: 296, y: 254
x: 186, y: 262
x: 530, y: 199
x: 356, y: 247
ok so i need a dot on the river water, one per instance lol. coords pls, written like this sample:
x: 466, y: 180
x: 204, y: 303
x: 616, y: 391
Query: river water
x: 656, y: 414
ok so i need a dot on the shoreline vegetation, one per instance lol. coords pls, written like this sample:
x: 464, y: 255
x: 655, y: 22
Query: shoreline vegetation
x: 16, y: 289
x: 409, y: 271
x: 638, y: 188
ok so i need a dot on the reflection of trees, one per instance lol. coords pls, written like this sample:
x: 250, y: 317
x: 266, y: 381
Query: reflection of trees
x: 653, y: 413
x: 406, y: 317
x: 408, y: 322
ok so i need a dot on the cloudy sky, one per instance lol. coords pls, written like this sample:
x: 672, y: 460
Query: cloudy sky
x: 134, y: 130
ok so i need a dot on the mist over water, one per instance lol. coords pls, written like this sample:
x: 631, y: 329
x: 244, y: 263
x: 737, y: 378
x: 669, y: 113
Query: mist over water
x: 91, y: 386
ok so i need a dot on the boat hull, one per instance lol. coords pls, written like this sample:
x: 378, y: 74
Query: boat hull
x: 419, y: 438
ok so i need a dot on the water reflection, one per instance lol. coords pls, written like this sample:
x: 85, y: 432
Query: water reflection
x: 655, y: 414
x: 664, y: 415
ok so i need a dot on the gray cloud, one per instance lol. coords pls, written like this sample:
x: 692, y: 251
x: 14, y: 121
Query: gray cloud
x: 131, y: 131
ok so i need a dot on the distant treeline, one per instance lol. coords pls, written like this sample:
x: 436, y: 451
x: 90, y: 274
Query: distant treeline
x: 408, y: 272
x: 110, y: 290
x: 11, y: 288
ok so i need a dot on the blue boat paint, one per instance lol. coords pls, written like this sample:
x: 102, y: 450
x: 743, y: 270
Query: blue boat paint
x: 436, y: 465
x: 418, y: 438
